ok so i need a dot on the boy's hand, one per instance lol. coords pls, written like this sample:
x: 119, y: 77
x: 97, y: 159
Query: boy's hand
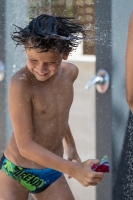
x: 84, y: 174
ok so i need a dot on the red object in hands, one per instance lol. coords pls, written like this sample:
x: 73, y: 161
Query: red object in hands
x: 100, y: 168
x: 103, y: 166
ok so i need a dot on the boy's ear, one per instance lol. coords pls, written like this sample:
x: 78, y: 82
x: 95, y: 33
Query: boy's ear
x: 65, y: 56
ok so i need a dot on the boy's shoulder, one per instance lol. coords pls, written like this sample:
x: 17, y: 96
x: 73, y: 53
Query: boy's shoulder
x: 19, y: 79
x: 70, y: 69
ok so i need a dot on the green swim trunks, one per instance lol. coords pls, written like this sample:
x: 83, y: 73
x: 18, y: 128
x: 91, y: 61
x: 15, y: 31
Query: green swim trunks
x: 34, y: 180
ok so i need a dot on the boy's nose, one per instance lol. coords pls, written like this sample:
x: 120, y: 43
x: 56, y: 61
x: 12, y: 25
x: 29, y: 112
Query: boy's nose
x: 43, y: 67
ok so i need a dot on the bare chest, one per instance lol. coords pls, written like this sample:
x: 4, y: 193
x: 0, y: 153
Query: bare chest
x: 52, y: 100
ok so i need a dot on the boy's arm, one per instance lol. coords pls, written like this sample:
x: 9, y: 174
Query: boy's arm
x: 70, y: 147
x: 68, y: 141
x: 129, y: 64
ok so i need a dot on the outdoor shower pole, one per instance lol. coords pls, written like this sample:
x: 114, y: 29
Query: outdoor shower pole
x: 111, y: 24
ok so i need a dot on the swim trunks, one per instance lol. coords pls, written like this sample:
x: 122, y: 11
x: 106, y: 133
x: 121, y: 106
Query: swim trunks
x: 34, y: 180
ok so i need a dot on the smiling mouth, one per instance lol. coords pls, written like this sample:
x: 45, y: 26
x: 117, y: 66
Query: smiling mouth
x: 44, y: 74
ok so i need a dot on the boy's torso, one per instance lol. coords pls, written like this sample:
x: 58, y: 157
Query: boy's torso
x: 51, y: 101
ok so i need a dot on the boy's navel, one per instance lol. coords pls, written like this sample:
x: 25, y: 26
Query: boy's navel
x: 43, y: 111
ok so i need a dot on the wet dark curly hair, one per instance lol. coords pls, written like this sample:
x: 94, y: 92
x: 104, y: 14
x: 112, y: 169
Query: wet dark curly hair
x: 47, y: 32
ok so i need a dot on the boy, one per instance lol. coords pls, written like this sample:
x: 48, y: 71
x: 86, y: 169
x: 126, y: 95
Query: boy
x: 40, y: 97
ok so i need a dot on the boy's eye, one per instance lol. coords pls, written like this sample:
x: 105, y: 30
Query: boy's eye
x: 33, y: 60
x: 51, y: 63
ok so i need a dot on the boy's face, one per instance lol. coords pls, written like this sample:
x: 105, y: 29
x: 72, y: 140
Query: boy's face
x: 45, y: 64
